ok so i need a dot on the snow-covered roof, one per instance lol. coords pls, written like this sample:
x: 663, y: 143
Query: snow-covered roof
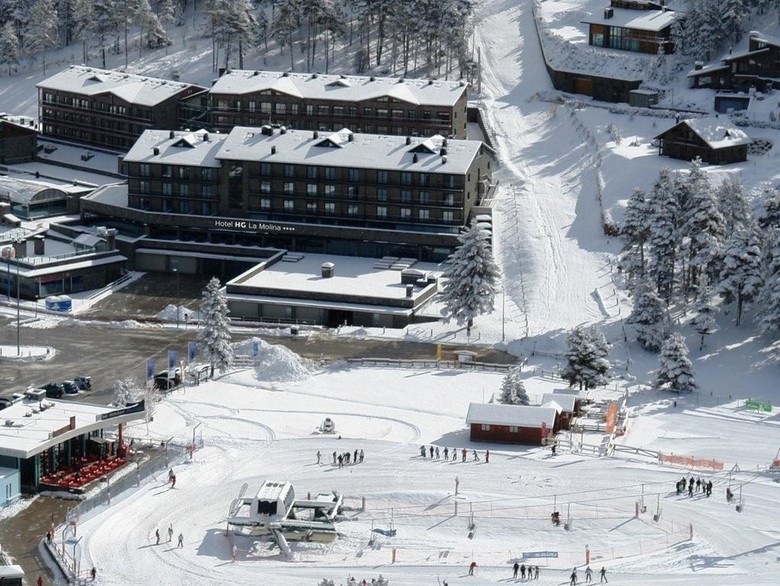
x: 565, y: 402
x: 707, y: 69
x: 365, y: 151
x: 717, y: 132
x: 25, y: 191
x: 762, y: 37
x: 340, y: 87
x: 133, y: 89
x: 27, y: 430
x: 25, y: 122
x: 515, y: 415
x: 171, y: 147
x: 641, y: 20
x: 746, y: 53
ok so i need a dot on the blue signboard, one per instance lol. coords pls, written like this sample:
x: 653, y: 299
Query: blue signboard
x: 539, y: 554
x: 192, y: 350
x: 171, y: 360
x: 149, y: 370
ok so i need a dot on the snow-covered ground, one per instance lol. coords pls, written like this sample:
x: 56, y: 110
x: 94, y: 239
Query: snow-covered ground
x: 558, y: 272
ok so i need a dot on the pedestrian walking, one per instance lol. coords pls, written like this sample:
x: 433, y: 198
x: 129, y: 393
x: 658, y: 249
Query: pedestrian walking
x: 355, y: 457
x: 422, y: 451
x: 362, y: 455
x: 334, y: 458
x: 690, y: 489
x: 48, y: 536
x: 709, y: 487
x: 93, y: 573
x: 346, y: 457
x: 603, y: 574
x: 573, y: 580
x: 472, y: 566
x: 536, y: 572
x: 170, y: 532
x: 431, y: 452
x: 698, y: 484
x: 515, y: 568
x: 464, y: 454
x: 173, y: 481
x: 319, y: 457
x: 157, y: 535
x: 40, y: 581
x: 487, y: 456
x: 181, y: 541
x: 341, y: 461
x: 437, y: 452
x: 446, y: 453
x: 588, y: 574
x: 522, y: 572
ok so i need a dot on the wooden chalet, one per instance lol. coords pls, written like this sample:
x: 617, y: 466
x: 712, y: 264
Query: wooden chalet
x: 714, y: 140
x: 633, y: 25
x: 512, y: 424
x: 758, y: 67
x: 566, y: 403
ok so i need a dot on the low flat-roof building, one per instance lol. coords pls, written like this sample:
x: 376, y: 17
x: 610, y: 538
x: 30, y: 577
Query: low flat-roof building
x: 331, y: 290
x: 636, y: 26
x: 42, y: 438
x: 34, y: 199
x: 714, y: 140
x: 513, y: 424
x: 312, y: 101
x: 107, y: 109
x: 18, y: 139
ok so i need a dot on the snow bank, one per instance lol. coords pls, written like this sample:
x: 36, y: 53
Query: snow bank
x: 170, y: 311
x: 276, y: 363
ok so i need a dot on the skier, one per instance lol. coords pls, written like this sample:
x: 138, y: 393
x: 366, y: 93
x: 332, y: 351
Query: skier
x: 334, y: 458
x: 573, y: 580
x: 157, y: 535
x: 355, y: 457
x: 341, y: 461
x: 536, y: 572
x: 170, y: 532
x: 93, y: 573
x: 690, y: 488
x: 431, y: 452
x: 346, y: 457
x: 422, y: 451
x: 362, y: 455
x: 40, y: 581
x: 487, y: 456
x: 464, y: 454
x: 446, y: 453
x: 553, y: 449
x: 683, y: 482
x: 588, y: 574
x: 472, y: 565
x: 698, y: 484
x: 603, y: 574
x: 709, y: 487
x: 515, y: 568
x: 173, y: 481
x: 437, y: 452
x: 319, y: 457
x: 170, y: 474
x: 181, y: 540
x: 454, y: 454
x: 522, y: 572
x: 476, y: 456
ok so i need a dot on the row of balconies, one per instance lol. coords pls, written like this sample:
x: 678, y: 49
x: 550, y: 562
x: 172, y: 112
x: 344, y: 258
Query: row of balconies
x: 131, y: 115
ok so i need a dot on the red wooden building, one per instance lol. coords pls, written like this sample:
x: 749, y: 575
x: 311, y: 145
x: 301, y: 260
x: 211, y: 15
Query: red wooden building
x: 512, y: 424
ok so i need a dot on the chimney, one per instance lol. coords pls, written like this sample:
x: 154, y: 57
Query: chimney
x: 111, y: 238
x: 608, y: 13
x: 316, y: 135
x: 409, y: 291
x: 171, y: 134
x: 39, y: 244
x: 156, y: 151
x: 20, y: 249
x: 408, y: 140
x: 205, y: 137
x: 414, y: 158
x: 443, y: 151
x: 698, y: 65
x: 273, y: 150
x: 327, y: 270
x: 350, y: 137
x: 283, y: 130
x: 444, y: 160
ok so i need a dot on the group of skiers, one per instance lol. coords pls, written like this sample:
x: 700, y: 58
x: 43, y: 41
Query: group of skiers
x: 345, y: 458
x: 531, y: 571
x: 588, y: 575
x: 436, y: 454
x: 694, y: 485
x: 170, y: 536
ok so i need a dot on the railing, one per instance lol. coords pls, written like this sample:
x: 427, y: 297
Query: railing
x: 422, y: 363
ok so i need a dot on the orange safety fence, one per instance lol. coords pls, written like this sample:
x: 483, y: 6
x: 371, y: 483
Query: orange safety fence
x: 775, y: 464
x: 611, y: 417
x: 690, y: 461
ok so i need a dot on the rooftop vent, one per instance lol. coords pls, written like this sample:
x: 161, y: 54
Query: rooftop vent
x: 282, y: 130
x: 273, y: 150
x: 372, y: 78
x: 286, y: 74
x: 444, y: 160
x: 408, y: 140
x: 698, y: 65
x: 314, y: 75
x: 171, y: 134
x: 256, y: 73
x: 205, y: 137
x: 350, y: 137
x: 327, y: 270
x: 608, y: 13
x: 443, y: 151
x: 414, y: 158
x: 156, y: 150
x: 267, y: 131
x: 316, y: 135
x: 430, y: 82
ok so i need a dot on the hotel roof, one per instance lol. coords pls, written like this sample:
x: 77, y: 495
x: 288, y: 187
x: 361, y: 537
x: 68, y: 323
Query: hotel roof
x: 344, y: 88
x: 434, y: 154
x: 133, y: 89
x: 170, y: 147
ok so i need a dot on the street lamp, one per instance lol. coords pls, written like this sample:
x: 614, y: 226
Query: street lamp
x: 178, y: 290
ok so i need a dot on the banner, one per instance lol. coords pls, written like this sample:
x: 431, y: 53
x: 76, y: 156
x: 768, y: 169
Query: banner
x: 149, y: 370
x: 255, y: 348
x: 192, y: 350
x: 171, y: 362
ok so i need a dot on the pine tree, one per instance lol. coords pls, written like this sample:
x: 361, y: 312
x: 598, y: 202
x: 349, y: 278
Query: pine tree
x: 733, y: 204
x: 126, y: 392
x: 9, y: 46
x: 214, y: 336
x: 771, y: 216
x: 769, y: 317
x: 734, y: 15
x: 586, y: 355
x: 741, y: 277
x: 675, y: 371
x: 664, y: 234
x: 472, y: 278
x: 649, y: 315
x: 513, y: 389
x: 704, y: 319
x: 41, y: 30
x: 635, y: 233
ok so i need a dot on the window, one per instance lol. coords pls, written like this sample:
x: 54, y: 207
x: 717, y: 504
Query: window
x: 330, y: 208
x: 406, y: 178
x: 381, y: 177
x: 289, y: 170
x: 184, y: 206
x: 309, y: 110
x: 311, y: 189
x: 449, y: 199
x: 352, y: 191
x: 484, y: 427
x: 289, y: 205
x: 424, y: 179
x: 205, y: 174
x: 323, y: 110
x: 406, y: 213
x: 311, y: 207
x: 206, y: 209
x: 143, y: 169
x: 381, y: 194
x: 423, y: 214
x: 448, y: 216
x: 330, y: 190
x: 143, y: 187
x: 265, y: 203
x: 331, y: 173
x: 352, y: 210
x: 167, y: 171
x: 381, y: 212
x: 398, y: 113
x: 406, y: 196
x: 424, y: 197
x: 353, y: 175
x: 311, y: 172
x: 513, y: 429
x: 381, y: 112
x: 281, y: 108
x: 184, y: 189
x: 289, y: 187
x: 294, y: 109
x: 183, y: 173
x: 265, y: 187
x: 368, y: 112
x: 265, y: 168
x: 265, y: 107
x: 207, y: 191
x: 252, y: 106
x: 167, y: 189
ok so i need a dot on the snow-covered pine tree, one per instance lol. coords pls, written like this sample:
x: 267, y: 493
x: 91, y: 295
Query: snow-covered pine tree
x: 126, y: 392
x: 41, y: 31
x: 513, y: 389
x: 741, y: 276
x: 770, y: 218
x: 471, y: 279
x: 675, y: 370
x: 82, y: 28
x: 769, y: 317
x: 734, y: 16
x: 284, y: 24
x: 9, y: 46
x: 635, y: 232
x: 704, y: 319
x: 702, y: 228
x: 587, y: 364
x: 649, y: 315
x: 733, y: 204
x: 214, y: 335
x: 664, y: 234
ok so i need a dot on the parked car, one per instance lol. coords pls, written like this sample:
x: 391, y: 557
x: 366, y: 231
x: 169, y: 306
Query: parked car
x: 83, y: 382
x: 53, y: 390
x: 70, y: 387
x: 164, y: 382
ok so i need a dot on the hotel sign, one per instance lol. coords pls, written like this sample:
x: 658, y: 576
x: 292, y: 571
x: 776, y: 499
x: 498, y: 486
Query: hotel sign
x: 251, y: 226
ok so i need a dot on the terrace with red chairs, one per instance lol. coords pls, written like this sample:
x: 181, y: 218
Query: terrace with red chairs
x: 82, y: 472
